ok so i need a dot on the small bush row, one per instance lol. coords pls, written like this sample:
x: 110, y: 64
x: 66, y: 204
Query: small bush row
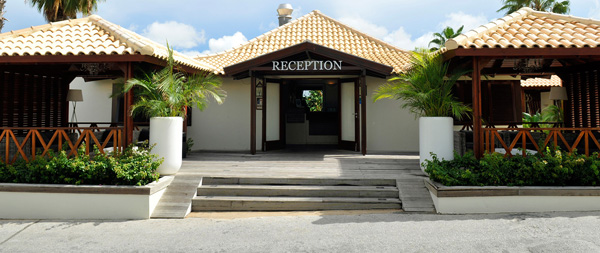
x: 550, y: 168
x: 131, y: 167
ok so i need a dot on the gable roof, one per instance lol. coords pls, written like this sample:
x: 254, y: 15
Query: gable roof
x: 527, y: 28
x: 319, y: 29
x: 87, y: 36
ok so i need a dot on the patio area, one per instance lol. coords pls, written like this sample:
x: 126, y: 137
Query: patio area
x: 298, y: 163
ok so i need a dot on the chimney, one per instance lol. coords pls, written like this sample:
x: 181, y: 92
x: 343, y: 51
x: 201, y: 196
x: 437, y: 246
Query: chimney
x: 285, y: 13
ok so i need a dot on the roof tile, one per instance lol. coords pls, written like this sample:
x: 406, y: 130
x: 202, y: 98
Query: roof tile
x: 319, y: 29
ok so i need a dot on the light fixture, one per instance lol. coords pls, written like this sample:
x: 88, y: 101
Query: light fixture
x: 259, y: 90
x: 528, y: 65
x: 558, y: 93
x: 74, y: 96
x: 94, y: 68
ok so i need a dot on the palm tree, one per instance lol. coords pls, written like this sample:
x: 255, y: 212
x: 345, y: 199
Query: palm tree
x: 426, y: 89
x: 57, y: 10
x: 169, y: 93
x: 440, y: 38
x: 2, y: 18
x: 556, y: 6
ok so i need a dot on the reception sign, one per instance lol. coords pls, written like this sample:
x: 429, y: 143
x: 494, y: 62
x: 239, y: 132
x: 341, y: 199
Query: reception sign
x: 306, y: 65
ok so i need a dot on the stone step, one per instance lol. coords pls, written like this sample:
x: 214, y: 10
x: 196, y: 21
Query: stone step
x: 299, y: 191
x: 297, y: 181
x: 246, y: 203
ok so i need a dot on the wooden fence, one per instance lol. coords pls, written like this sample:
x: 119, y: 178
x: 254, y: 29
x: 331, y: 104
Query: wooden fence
x: 584, y: 140
x: 26, y: 143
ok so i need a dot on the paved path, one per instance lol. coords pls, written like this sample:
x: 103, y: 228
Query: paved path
x: 391, y: 232
x: 301, y: 163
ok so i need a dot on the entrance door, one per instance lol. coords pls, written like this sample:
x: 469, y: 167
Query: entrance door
x: 272, y: 115
x: 349, y: 122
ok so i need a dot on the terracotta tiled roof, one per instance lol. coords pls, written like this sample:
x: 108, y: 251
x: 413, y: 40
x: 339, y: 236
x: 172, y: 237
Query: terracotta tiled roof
x: 86, y: 36
x: 527, y: 28
x: 553, y: 81
x: 319, y: 29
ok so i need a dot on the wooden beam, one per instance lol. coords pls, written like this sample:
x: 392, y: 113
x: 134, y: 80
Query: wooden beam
x: 478, y: 64
x: 585, y: 52
x: 128, y: 101
x: 252, y: 114
x: 264, y: 116
x: 363, y: 113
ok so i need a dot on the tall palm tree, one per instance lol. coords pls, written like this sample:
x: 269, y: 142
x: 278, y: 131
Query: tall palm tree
x: 439, y: 39
x: 2, y: 18
x: 556, y: 6
x: 57, y: 10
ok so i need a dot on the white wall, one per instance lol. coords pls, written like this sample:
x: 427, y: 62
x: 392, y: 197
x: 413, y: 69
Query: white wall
x: 389, y: 127
x: 227, y: 126
x: 97, y: 104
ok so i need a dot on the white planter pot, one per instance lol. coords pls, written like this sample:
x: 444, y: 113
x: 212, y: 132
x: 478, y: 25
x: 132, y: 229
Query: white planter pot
x: 436, y: 136
x: 166, y: 133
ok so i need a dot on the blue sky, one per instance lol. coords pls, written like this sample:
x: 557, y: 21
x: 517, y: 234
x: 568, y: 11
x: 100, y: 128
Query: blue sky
x: 199, y: 26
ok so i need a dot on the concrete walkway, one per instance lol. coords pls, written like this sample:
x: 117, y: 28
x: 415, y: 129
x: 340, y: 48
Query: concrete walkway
x: 298, y: 164
x: 319, y: 232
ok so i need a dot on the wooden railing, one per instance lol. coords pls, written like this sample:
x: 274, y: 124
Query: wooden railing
x: 26, y: 143
x: 585, y: 140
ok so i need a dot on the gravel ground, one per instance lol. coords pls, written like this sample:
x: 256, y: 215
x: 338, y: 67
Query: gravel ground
x: 302, y: 232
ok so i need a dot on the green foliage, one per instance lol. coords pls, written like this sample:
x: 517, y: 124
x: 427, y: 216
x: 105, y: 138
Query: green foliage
x: 314, y: 101
x: 439, y: 39
x: 425, y: 89
x: 560, y: 7
x: 168, y: 93
x: 57, y: 10
x: 551, y: 113
x: 552, y: 168
x: 190, y: 144
x: 131, y: 167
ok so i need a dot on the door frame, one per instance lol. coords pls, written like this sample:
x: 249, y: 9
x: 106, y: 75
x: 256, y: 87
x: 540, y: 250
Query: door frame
x: 343, y: 144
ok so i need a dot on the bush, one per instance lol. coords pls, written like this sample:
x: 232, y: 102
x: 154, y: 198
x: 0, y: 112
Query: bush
x: 131, y: 167
x: 550, y: 168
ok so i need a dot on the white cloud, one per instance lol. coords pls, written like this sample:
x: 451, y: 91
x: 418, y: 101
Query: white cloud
x: 456, y: 19
x: 398, y: 37
x: 178, y: 35
x: 191, y: 53
x: 224, y: 43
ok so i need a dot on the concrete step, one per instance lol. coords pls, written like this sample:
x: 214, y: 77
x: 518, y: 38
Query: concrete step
x: 299, y: 191
x: 297, y: 181
x: 246, y: 203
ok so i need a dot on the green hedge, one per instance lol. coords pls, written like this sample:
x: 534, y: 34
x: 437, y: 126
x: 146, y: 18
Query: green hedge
x: 551, y: 168
x: 132, y: 167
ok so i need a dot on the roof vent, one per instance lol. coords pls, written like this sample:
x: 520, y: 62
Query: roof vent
x: 285, y: 13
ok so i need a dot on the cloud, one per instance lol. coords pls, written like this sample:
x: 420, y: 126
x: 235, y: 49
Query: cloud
x: 456, y: 19
x: 191, y: 53
x: 224, y: 43
x: 179, y: 35
x: 398, y: 37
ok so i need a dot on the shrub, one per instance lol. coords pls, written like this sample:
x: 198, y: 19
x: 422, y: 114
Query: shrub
x: 131, y: 167
x: 550, y: 168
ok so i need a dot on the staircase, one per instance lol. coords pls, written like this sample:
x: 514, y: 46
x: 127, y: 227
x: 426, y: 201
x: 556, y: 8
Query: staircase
x: 296, y: 194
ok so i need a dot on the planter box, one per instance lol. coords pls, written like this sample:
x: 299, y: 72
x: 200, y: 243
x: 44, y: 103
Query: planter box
x: 512, y: 199
x: 51, y: 201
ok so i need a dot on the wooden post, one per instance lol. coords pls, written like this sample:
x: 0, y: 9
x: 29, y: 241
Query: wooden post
x: 128, y: 101
x: 252, y: 114
x: 264, y: 115
x: 363, y: 113
x: 477, y: 131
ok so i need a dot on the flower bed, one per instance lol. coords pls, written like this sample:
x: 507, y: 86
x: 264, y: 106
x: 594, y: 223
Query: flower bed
x: 550, y: 181
x: 119, y: 186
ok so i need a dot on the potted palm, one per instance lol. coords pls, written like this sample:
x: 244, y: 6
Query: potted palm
x: 426, y: 90
x: 165, y: 96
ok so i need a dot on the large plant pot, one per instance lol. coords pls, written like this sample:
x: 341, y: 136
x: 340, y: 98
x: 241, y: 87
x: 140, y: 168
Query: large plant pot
x: 436, y: 136
x: 166, y: 132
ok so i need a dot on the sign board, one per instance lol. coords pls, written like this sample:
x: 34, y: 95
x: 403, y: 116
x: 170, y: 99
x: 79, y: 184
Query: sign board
x: 306, y: 65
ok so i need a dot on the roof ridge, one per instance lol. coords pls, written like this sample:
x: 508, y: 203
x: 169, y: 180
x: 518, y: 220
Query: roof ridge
x: 566, y: 17
x: 259, y: 36
x: 123, y: 34
x: 361, y: 33
x: 491, y: 26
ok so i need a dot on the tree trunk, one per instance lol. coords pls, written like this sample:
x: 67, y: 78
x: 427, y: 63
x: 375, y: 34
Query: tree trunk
x: 2, y: 18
